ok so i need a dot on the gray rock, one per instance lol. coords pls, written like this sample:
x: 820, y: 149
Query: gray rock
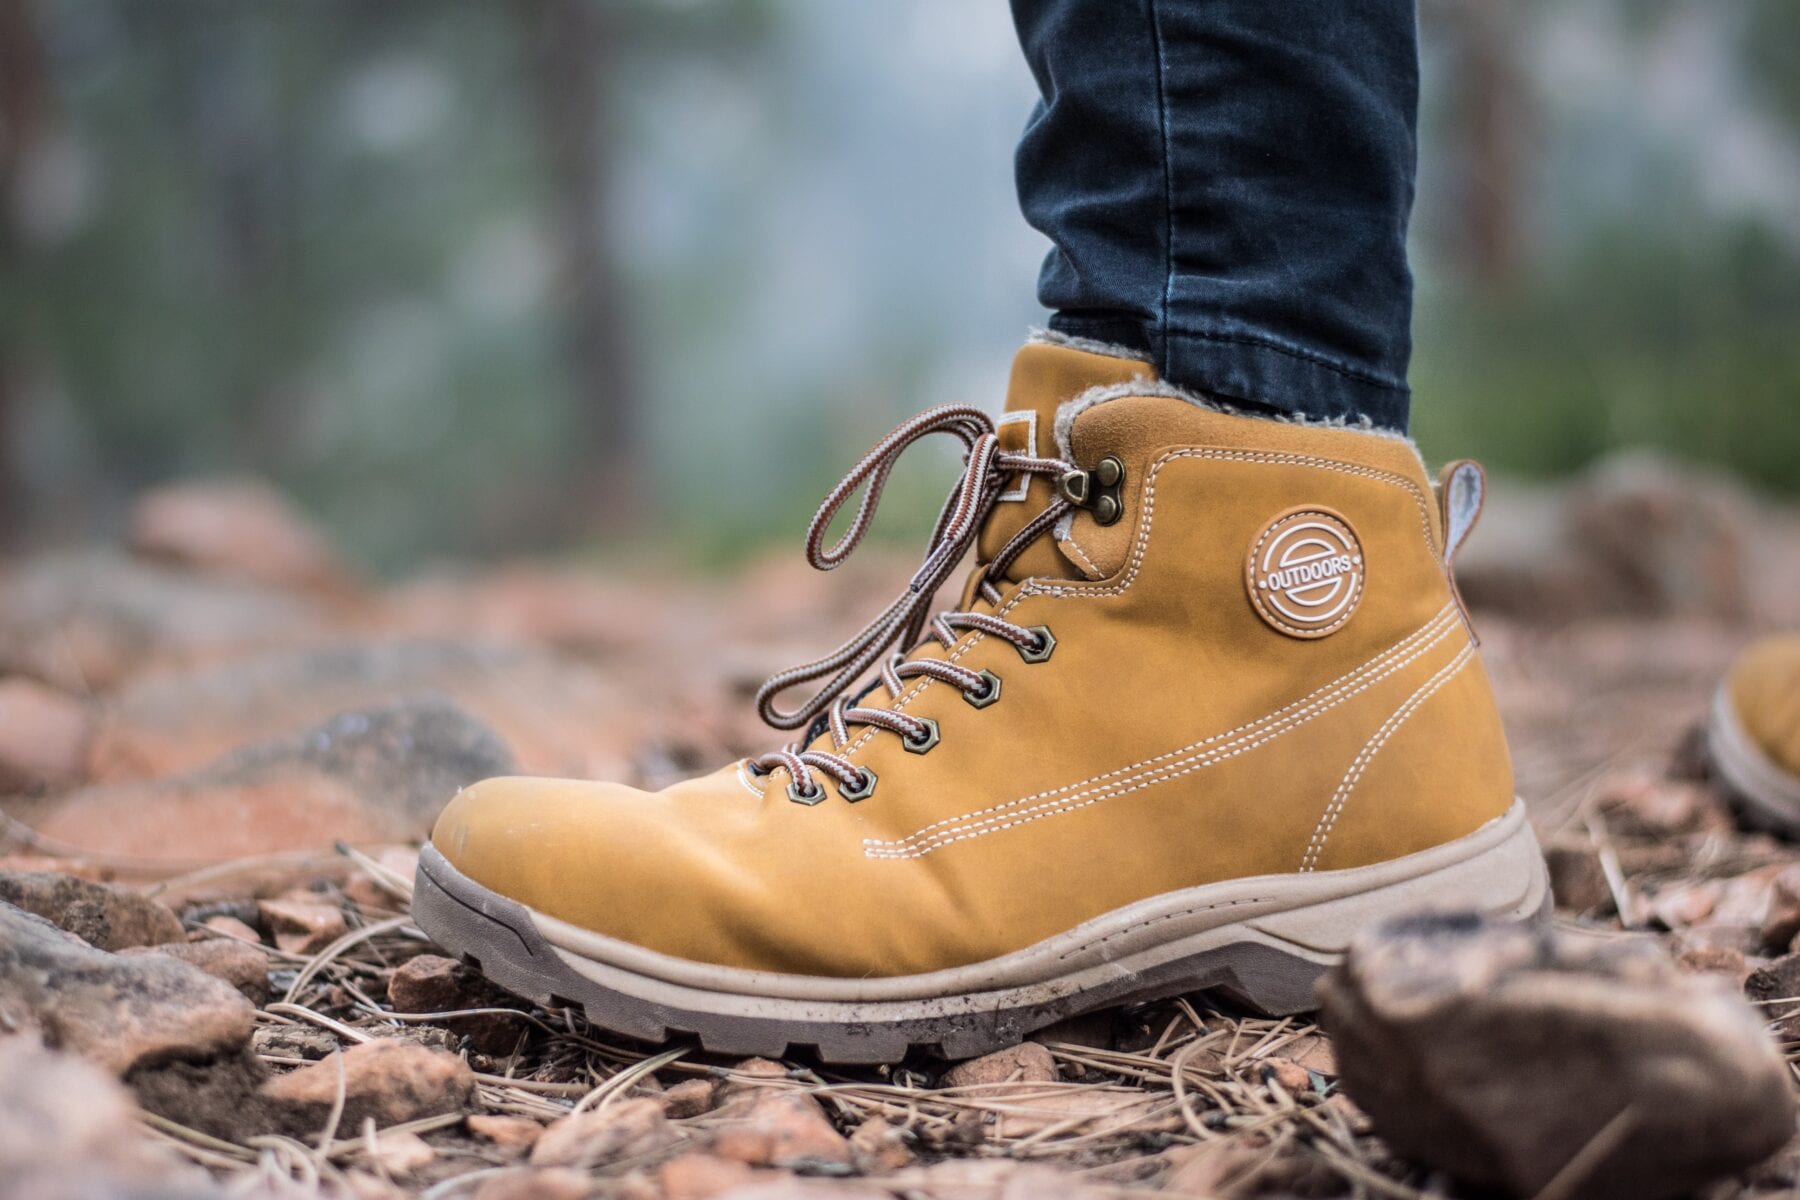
x: 85, y: 621
x: 1637, y: 533
x: 101, y: 914
x: 69, y: 1131
x: 245, y: 968
x: 171, y: 721
x: 1500, y: 1053
x: 370, y: 775
x: 124, y: 1014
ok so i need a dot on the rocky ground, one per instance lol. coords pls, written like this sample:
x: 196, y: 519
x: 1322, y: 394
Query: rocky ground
x: 218, y: 746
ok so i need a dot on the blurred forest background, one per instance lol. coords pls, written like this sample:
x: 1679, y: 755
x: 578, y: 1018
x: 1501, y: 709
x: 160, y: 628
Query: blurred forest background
x: 502, y: 275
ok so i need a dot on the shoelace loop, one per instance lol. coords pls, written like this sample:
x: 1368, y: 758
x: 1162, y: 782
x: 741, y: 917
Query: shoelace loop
x: 899, y: 627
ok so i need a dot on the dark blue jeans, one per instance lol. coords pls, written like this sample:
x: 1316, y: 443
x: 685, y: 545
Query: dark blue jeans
x: 1227, y: 184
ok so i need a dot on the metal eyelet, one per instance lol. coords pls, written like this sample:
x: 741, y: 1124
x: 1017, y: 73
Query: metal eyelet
x: 1046, y: 644
x: 921, y: 745
x: 861, y: 791
x: 816, y: 796
x: 1096, y: 490
x: 983, y: 699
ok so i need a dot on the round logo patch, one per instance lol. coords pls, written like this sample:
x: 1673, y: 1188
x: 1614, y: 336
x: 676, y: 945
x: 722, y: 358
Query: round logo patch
x: 1305, y: 572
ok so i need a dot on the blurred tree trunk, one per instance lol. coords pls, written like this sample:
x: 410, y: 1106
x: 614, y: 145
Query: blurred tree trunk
x: 1489, y: 118
x: 26, y: 117
x: 572, y: 44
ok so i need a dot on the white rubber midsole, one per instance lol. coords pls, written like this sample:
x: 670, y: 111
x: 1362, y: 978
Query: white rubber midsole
x: 1749, y: 771
x: 1497, y: 869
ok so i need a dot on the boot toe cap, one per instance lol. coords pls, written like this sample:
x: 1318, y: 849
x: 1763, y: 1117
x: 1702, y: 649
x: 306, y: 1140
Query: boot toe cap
x: 540, y: 842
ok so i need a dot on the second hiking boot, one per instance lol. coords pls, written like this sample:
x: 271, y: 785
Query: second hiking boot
x: 1753, y: 732
x: 1207, y: 705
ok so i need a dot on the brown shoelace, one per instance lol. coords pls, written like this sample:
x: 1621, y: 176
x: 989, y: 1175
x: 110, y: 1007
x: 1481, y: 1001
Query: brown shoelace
x: 899, y: 627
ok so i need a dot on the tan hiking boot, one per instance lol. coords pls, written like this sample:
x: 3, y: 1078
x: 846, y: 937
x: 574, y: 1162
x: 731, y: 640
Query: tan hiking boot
x: 1208, y: 704
x: 1753, y: 732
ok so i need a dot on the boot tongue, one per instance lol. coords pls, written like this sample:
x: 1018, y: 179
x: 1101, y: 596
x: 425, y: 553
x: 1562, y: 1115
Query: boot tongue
x: 1044, y: 375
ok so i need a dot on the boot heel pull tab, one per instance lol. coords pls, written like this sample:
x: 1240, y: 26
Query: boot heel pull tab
x: 1462, y: 490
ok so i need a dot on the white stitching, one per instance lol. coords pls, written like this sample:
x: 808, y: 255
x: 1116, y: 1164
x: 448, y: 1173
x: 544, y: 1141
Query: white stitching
x: 1073, y: 548
x: 1268, y: 727
x: 1431, y: 627
x: 1397, y: 718
x: 1158, y: 920
x: 748, y: 786
x: 1256, y: 552
x: 918, y: 689
x: 1034, y: 587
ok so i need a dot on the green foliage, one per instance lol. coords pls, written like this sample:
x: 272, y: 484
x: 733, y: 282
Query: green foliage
x: 1686, y: 345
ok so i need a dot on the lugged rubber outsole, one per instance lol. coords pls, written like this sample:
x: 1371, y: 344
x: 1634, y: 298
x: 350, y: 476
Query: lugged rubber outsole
x: 1262, y: 942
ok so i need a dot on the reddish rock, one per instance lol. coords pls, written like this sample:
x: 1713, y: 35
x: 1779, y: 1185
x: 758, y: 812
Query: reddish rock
x: 509, y: 1133
x: 302, y: 926
x: 699, y: 1176
x: 245, y: 968
x: 241, y: 528
x: 364, y: 1186
x: 761, y: 1068
x: 1781, y: 921
x: 1680, y: 904
x: 43, y: 736
x: 783, y: 1128
x: 1090, y: 1111
x: 102, y: 914
x: 1290, y: 1075
x: 1577, y: 880
x: 379, y: 775
x: 383, y: 895
x: 745, y: 1082
x: 1746, y: 901
x: 122, y: 1013
x: 992, y: 1179
x: 85, y: 622
x: 1650, y: 804
x: 1027, y: 1062
x: 689, y: 1098
x: 1216, y: 1168
x: 431, y: 983
x: 80, y: 868
x: 389, y: 1080
x: 877, y: 1147
x: 1312, y: 1052
x: 781, y: 1185
x: 1704, y: 959
x: 233, y: 929
x: 623, y: 1129
x: 590, y: 612
x: 556, y: 1183
x: 553, y: 715
x: 398, y: 1153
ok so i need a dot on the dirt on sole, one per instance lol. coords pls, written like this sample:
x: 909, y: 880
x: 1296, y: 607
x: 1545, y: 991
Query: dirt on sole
x: 1262, y: 942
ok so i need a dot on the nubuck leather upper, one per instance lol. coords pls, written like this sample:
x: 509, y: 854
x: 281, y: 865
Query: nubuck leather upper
x: 1207, y: 703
